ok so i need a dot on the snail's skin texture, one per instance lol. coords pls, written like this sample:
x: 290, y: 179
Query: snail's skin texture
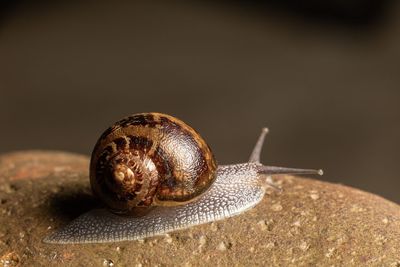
x: 236, y: 189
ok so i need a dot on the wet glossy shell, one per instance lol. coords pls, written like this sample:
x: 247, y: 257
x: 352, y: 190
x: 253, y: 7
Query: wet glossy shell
x: 150, y: 159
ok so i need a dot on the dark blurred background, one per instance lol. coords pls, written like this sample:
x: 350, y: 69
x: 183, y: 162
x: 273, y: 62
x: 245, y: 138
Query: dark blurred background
x: 324, y: 77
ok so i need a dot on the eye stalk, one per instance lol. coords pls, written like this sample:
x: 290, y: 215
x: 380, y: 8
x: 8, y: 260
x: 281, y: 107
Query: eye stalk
x: 273, y: 170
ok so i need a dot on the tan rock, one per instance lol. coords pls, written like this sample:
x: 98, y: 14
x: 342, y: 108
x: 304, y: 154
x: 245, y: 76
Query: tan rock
x: 309, y: 223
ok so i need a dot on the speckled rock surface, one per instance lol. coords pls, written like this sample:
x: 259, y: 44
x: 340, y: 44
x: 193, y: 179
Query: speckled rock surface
x: 309, y: 223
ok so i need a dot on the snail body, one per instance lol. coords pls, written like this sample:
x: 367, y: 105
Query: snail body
x: 160, y: 173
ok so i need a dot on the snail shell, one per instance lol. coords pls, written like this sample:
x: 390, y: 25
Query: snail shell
x: 187, y: 195
x: 150, y: 159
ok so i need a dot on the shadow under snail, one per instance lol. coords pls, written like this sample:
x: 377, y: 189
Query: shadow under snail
x: 155, y: 174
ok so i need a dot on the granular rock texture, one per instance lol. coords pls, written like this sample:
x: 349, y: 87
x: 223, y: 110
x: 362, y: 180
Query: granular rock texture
x: 309, y: 223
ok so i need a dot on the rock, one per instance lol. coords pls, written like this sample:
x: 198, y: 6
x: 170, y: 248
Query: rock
x: 309, y: 223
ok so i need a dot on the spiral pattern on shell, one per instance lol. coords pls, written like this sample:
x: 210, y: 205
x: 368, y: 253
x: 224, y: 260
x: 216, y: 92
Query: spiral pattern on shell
x: 150, y: 159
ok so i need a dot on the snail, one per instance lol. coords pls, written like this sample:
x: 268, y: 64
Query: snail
x: 155, y: 174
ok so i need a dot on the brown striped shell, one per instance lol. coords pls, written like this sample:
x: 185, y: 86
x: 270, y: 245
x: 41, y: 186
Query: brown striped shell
x: 150, y: 159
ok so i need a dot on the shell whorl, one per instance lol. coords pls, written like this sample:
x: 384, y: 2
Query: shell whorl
x: 150, y: 159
